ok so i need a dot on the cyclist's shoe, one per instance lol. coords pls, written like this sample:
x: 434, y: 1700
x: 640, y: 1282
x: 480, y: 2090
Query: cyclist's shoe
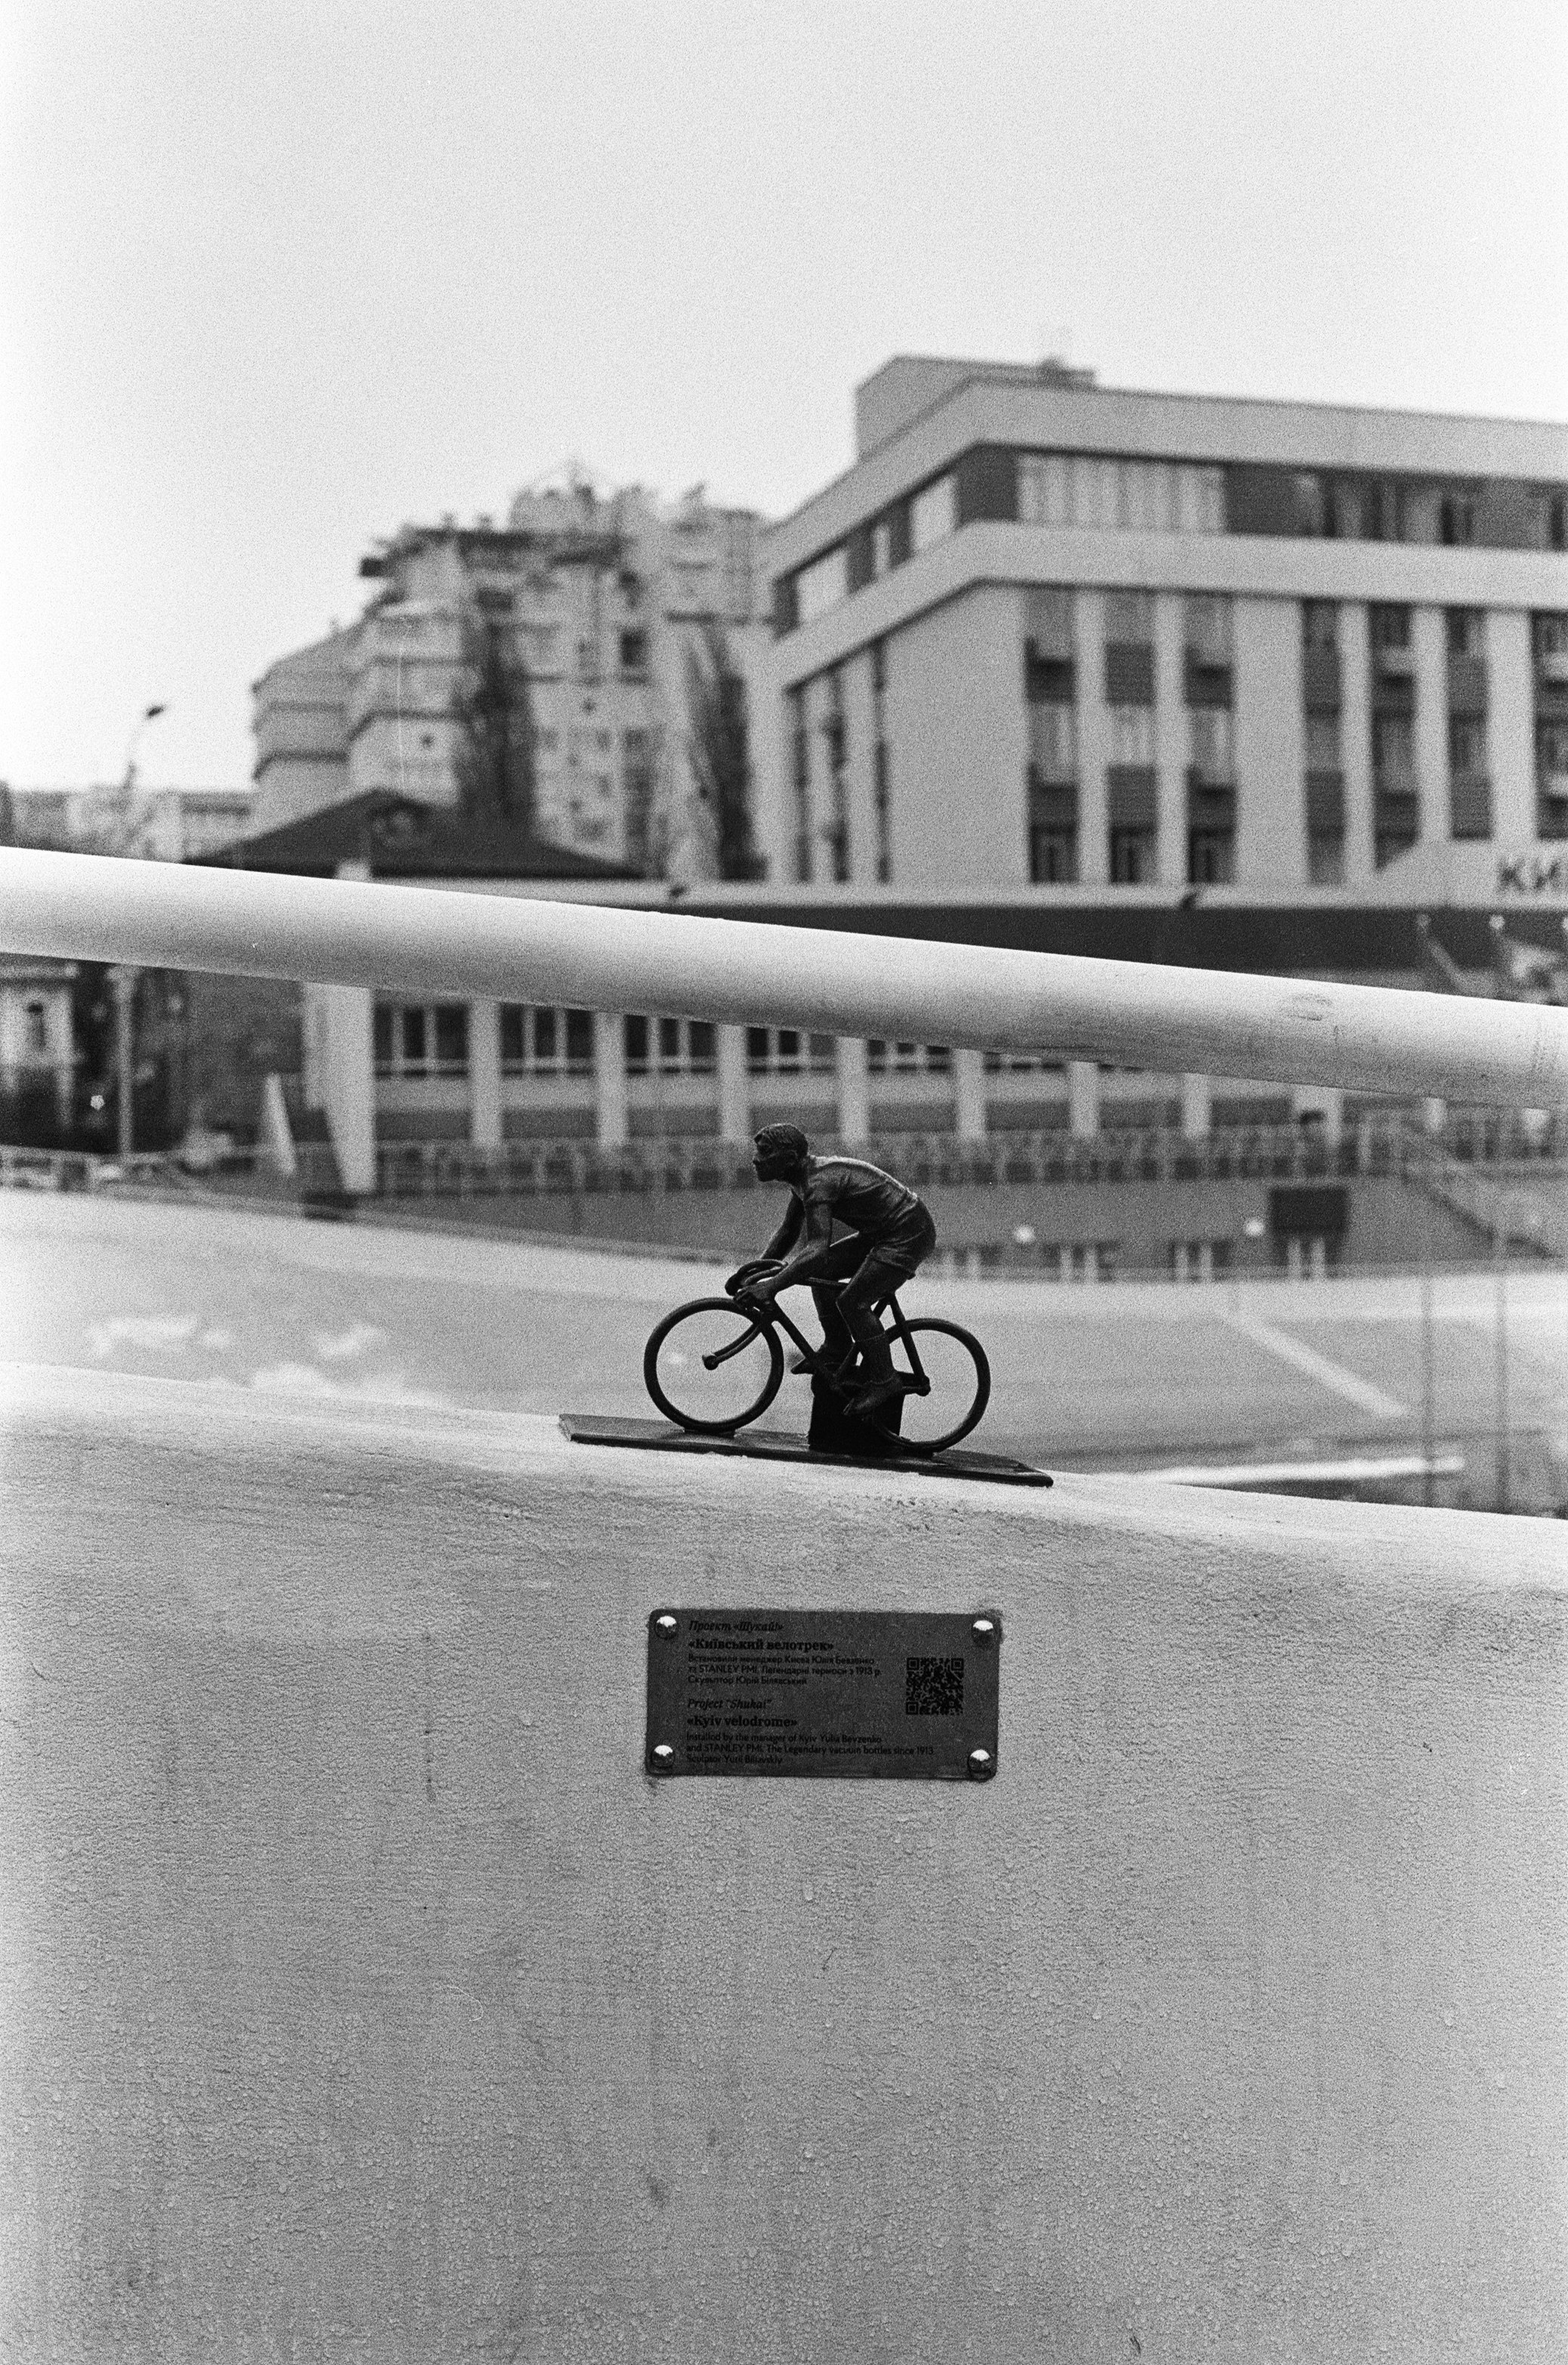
x: 879, y: 1392
x: 807, y: 1364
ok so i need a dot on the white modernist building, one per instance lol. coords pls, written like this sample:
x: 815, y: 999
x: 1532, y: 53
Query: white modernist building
x: 1045, y: 632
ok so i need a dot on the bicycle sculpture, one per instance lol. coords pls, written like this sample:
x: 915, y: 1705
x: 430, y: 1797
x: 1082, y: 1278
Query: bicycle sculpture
x: 715, y: 1366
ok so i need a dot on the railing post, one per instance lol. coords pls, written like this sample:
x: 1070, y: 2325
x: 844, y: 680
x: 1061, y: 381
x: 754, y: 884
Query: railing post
x: 968, y: 1095
x: 1084, y: 1099
x: 485, y: 1074
x: 734, y: 1085
x: 852, y: 1086
x: 609, y: 1078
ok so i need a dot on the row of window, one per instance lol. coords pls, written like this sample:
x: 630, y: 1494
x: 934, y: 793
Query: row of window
x: 414, y: 1039
x: 1064, y: 490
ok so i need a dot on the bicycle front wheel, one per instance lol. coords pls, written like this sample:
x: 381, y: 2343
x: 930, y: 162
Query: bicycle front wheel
x: 953, y: 1384
x: 710, y: 1367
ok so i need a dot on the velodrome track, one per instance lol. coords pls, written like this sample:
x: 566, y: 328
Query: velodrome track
x: 1117, y: 1376
x: 361, y: 1998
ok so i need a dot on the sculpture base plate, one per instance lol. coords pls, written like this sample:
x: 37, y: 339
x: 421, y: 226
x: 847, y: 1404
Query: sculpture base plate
x: 783, y: 1445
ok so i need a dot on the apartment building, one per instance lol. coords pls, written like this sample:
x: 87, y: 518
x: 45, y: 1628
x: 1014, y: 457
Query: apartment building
x: 600, y: 599
x: 150, y: 824
x: 1046, y: 633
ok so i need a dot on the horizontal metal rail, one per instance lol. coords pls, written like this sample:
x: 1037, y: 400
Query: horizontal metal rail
x: 421, y: 940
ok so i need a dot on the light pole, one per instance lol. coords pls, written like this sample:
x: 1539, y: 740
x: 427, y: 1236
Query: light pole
x: 123, y: 981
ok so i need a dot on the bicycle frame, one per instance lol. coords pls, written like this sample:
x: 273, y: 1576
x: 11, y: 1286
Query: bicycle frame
x: 775, y: 1314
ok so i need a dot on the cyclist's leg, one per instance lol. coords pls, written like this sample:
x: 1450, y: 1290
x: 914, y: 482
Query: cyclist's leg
x: 838, y: 1339
x: 885, y: 1269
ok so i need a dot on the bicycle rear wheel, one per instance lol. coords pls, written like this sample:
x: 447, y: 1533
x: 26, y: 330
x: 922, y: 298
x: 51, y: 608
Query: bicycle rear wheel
x: 956, y: 1384
x: 710, y: 1367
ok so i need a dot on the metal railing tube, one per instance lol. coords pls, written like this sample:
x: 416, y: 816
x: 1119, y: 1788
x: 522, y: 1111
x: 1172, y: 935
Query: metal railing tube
x: 419, y: 940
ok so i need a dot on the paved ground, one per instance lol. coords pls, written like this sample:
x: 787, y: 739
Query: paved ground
x: 1106, y: 1376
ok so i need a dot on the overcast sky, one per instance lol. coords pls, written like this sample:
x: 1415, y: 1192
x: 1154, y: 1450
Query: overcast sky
x: 279, y: 276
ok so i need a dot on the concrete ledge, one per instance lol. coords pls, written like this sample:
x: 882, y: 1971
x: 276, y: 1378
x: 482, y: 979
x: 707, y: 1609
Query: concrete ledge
x: 364, y: 2000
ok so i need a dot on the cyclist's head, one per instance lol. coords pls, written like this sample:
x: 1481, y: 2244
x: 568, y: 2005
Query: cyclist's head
x: 781, y: 1149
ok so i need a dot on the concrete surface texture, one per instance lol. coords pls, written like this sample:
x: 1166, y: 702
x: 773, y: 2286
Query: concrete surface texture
x: 362, y: 1999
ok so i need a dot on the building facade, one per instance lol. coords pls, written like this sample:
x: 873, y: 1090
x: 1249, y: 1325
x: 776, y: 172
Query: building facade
x: 1042, y: 632
x: 151, y: 825
x: 602, y: 602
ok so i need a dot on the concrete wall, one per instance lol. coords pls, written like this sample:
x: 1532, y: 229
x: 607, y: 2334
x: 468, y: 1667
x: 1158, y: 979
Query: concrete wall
x: 959, y: 797
x: 365, y: 2000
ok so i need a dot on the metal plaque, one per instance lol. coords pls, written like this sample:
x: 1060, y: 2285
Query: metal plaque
x: 903, y: 1695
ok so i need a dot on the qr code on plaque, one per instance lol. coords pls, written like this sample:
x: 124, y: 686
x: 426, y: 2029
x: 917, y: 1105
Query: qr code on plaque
x: 934, y: 1687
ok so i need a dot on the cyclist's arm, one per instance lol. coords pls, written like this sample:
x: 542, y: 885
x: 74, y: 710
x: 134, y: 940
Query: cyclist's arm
x: 803, y: 1262
x: 783, y: 1239
x: 788, y: 1233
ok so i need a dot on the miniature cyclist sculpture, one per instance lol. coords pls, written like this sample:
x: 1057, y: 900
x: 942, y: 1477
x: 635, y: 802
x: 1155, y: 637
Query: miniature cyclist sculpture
x: 861, y: 1392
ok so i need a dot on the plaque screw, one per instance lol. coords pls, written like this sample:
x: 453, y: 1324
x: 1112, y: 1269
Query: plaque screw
x: 984, y: 1632
x: 665, y: 1622
x: 982, y: 1766
x: 664, y: 1757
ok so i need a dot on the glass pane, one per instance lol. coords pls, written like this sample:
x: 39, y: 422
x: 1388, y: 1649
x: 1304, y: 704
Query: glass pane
x: 637, y: 1045
x: 452, y: 1035
x: 511, y: 1034
x: 547, y: 1037
x: 669, y: 1043
x: 702, y: 1044
x: 579, y: 1040
x: 382, y: 1025
x: 414, y: 1036
x: 759, y: 1049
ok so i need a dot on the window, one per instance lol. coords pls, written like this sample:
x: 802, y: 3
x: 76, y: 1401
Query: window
x: 1325, y: 857
x: 1464, y: 632
x: 1208, y: 629
x: 882, y: 763
x: 1456, y: 517
x: 1323, y: 741
x: 416, y: 1040
x: 545, y: 1042
x: 907, y: 1058
x: 1393, y: 746
x: 1203, y: 501
x: 1320, y: 624
x: 1058, y: 488
x: 1390, y: 628
x: 1132, y: 858
x: 1212, y: 741
x: 1467, y: 743
x: 1310, y: 502
x: 36, y: 1041
x: 634, y: 654
x: 1053, y: 741
x: 1129, y: 617
x: 932, y: 514
x: 801, y: 776
x: 1132, y: 734
x: 836, y: 740
x: 1053, y: 855
x: 1551, y: 636
x: 823, y: 584
x: 1211, y: 858
x: 881, y: 547
x: 786, y: 1051
x: 669, y: 1046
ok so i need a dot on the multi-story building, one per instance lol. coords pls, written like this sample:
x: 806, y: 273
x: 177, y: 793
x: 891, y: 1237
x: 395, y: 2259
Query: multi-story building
x: 600, y: 601
x: 1240, y: 684
x: 1045, y: 632
x: 154, y: 824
